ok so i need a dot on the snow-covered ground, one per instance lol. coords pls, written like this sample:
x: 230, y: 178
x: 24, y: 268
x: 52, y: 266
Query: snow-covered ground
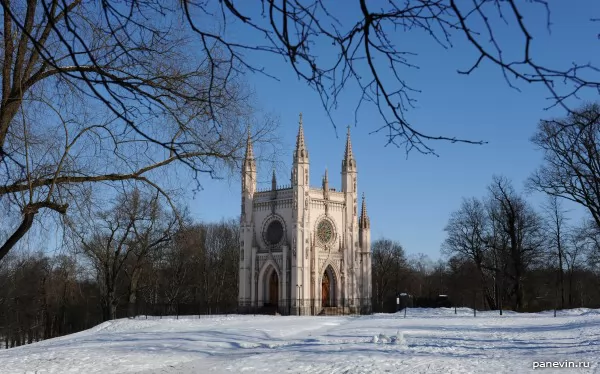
x: 426, y: 341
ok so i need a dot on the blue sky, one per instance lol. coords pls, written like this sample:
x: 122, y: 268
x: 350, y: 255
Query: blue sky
x: 410, y: 198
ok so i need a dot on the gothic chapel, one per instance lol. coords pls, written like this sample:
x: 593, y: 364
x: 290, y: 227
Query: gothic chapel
x: 304, y: 250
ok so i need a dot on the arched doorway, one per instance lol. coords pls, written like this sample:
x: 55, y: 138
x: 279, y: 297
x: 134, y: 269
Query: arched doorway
x: 273, y: 288
x: 325, y: 289
x: 328, y: 287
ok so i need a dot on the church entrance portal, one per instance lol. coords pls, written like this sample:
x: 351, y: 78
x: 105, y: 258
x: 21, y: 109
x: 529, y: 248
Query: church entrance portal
x: 328, y: 288
x: 273, y: 288
x: 325, y: 289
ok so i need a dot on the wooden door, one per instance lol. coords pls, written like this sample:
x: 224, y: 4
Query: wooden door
x: 325, y: 290
x: 273, y: 289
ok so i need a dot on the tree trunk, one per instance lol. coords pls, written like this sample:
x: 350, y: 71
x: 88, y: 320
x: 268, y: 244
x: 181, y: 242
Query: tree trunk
x: 487, y: 295
x: 105, y: 310
x: 112, y: 305
x: 561, y: 279
x: 109, y: 306
x: 561, y: 286
x: 518, y: 287
x: 570, y: 288
x: 133, y: 287
x: 518, y: 295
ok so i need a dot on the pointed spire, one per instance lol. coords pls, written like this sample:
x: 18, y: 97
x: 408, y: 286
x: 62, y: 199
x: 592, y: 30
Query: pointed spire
x: 364, y: 218
x: 249, y: 150
x: 348, y: 153
x: 249, y: 167
x: 326, y: 190
x: 348, y: 162
x: 364, y: 205
x: 273, y: 180
x: 301, y: 151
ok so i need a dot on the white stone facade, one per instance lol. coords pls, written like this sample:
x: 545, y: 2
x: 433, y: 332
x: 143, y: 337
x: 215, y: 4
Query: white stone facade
x: 302, y: 248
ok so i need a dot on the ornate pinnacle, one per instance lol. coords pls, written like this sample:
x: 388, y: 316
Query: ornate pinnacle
x: 348, y: 152
x: 364, y: 218
x: 273, y: 180
x: 348, y: 162
x: 249, y: 150
x: 249, y: 167
x: 301, y: 151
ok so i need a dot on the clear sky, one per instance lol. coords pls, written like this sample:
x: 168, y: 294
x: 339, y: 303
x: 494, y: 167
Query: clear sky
x: 410, y: 199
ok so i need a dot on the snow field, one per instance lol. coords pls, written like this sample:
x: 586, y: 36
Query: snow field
x: 426, y: 341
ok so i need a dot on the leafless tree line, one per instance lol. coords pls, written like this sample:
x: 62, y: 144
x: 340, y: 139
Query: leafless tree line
x: 485, y: 268
x: 121, y: 261
x: 505, y: 239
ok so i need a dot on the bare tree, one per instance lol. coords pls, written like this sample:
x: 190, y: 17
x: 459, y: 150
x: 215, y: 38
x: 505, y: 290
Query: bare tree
x: 584, y: 244
x: 468, y: 236
x: 151, y: 232
x: 389, y: 264
x: 218, y: 281
x: 571, y: 166
x: 463, y: 280
x: 521, y: 231
x: 198, y: 267
x: 96, y: 93
x: 118, y: 240
x: 557, y: 241
x: 113, y: 90
x: 362, y: 51
x: 177, y: 265
x: 502, y: 236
